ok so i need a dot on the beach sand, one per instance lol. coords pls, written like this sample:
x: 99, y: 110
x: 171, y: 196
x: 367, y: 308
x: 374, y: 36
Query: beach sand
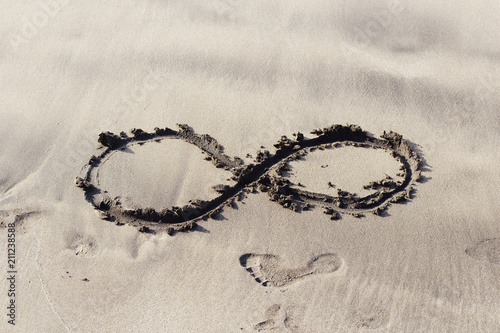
x: 247, y: 73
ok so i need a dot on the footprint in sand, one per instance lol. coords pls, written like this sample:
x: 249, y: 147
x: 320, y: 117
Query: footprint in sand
x: 279, y: 317
x: 269, y: 270
x: 486, y: 250
x: 17, y: 217
x: 372, y: 319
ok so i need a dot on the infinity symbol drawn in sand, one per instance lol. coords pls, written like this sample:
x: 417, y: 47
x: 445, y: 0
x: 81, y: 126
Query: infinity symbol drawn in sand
x: 266, y: 175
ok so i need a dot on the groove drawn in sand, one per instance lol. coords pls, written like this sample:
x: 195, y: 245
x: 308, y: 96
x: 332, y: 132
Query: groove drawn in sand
x: 265, y: 175
x: 486, y: 250
x: 270, y: 271
x: 280, y: 317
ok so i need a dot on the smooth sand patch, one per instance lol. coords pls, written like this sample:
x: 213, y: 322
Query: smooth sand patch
x: 146, y: 175
x: 344, y: 167
x: 270, y: 271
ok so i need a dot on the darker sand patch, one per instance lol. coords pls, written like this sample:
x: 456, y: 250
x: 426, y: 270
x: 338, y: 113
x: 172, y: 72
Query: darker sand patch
x: 17, y: 218
x: 281, y: 317
x: 82, y: 246
x: 270, y: 271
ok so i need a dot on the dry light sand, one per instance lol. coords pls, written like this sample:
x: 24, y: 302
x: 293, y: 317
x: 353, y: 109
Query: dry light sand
x: 246, y: 73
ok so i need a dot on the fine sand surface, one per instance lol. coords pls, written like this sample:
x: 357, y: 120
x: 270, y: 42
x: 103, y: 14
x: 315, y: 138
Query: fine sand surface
x: 346, y: 168
x: 247, y: 73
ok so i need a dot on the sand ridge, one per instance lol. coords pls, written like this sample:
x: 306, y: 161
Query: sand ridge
x: 266, y: 175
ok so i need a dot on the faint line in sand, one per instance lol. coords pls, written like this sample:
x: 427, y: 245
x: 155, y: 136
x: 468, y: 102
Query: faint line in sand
x: 43, y: 286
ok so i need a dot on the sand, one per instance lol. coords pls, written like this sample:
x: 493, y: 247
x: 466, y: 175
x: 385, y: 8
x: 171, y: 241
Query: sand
x: 247, y: 73
x: 270, y: 173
